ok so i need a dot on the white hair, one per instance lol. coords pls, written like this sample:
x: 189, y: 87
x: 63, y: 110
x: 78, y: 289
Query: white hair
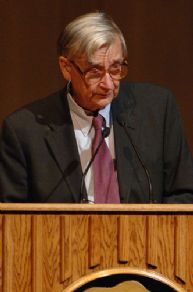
x: 87, y: 33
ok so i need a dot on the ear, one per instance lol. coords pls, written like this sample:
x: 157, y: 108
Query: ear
x: 65, y: 67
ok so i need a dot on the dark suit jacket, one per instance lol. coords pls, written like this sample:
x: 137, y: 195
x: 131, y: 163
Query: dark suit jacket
x: 40, y: 161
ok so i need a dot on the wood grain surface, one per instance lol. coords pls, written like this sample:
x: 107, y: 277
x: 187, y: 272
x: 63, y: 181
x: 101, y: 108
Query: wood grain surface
x: 43, y: 250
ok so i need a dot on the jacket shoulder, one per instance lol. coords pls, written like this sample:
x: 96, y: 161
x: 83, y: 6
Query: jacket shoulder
x: 50, y: 109
x: 144, y: 89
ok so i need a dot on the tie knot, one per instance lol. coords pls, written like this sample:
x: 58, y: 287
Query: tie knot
x: 97, y: 122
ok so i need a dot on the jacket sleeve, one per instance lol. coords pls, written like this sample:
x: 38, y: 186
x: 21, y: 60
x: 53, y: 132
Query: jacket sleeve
x: 178, y: 162
x: 13, y: 170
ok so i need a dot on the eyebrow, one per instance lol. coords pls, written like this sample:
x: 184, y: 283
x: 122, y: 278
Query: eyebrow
x: 95, y: 64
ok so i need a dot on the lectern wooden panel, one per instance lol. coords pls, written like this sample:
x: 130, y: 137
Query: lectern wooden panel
x: 47, y: 247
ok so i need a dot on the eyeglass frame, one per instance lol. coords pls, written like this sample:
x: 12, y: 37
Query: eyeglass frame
x: 83, y: 73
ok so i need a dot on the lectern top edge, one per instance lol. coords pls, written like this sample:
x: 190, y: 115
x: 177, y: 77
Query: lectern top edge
x: 149, y: 208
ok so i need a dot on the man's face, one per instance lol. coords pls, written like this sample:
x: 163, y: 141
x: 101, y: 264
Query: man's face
x: 94, y: 96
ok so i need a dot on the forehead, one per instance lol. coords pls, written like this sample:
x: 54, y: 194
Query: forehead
x: 106, y: 53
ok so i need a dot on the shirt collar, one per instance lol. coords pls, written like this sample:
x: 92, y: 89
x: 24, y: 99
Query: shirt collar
x: 83, y: 121
x: 105, y: 112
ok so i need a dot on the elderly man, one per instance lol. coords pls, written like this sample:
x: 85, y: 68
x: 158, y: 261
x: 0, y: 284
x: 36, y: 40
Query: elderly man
x: 96, y: 140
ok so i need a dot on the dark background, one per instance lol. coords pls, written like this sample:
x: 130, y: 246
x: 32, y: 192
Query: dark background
x: 159, y: 34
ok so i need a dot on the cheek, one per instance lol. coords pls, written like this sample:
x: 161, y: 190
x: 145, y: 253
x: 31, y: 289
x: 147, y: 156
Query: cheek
x: 80, y: 90
x: 87, y: 97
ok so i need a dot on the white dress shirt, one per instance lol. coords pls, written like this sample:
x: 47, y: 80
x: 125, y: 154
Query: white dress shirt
x: 84, y: 133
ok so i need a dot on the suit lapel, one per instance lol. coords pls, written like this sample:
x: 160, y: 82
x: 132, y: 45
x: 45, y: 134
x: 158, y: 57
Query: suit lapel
x: 62, y: 145
x: 60, y: 140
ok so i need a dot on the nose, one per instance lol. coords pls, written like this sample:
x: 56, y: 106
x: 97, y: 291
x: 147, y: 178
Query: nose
x: 107, y: 82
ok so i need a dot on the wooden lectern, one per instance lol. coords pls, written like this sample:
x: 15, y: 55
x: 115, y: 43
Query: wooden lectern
x: 46, y: 247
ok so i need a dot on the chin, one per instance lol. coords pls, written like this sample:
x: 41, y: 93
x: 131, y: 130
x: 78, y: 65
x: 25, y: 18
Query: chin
x: 102, y: 105
x: 101, y: 102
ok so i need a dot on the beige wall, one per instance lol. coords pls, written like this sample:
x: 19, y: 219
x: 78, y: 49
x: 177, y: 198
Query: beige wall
x: 159, y: 36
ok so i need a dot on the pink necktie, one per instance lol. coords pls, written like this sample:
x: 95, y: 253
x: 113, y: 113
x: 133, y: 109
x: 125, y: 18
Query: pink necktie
x: 106, y: 188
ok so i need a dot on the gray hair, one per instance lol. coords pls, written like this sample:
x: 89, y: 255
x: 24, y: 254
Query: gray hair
x: 87, y: 33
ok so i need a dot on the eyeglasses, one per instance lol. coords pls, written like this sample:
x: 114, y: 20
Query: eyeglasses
x: 94, y: 74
